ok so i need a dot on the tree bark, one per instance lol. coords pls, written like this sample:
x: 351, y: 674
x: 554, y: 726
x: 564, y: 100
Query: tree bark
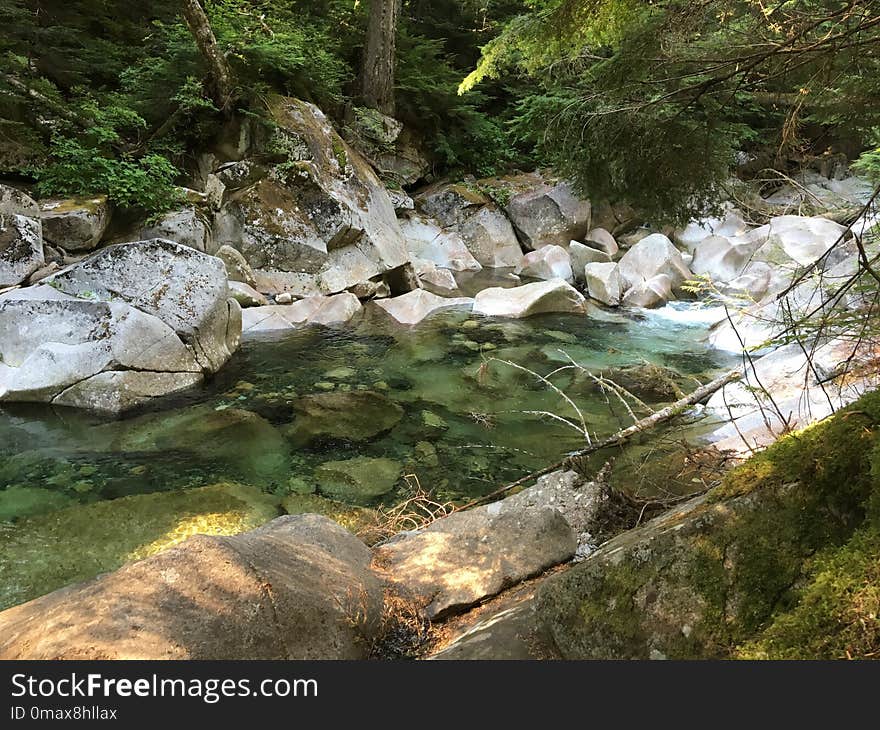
x: 221, y: 84
x: 377, y: 75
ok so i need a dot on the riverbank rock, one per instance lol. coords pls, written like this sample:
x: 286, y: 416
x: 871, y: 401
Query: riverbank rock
x: 298, y: 588
x: 130, y: 323
x: 549, y: 215
x: 604, y: 282
x: 358, y: 415
x: 337, y: 309
x: 651, y: 256
x: 75, y: 224
x: 602, y: 240
x: 524, y: 301
x: 322, y: 212
x: 548, y: 262
x: 802, y: 239
x: 654, y: 292
x: 413, y: 307
x: 361, y: 480
x: 237, y: 267
x: 21, y: 248
x: 246, y: 295
x: 443, y: 247
x: 581, y: 255
x: 17, y: 202
x: 185, y: 226
x: 459, y: 560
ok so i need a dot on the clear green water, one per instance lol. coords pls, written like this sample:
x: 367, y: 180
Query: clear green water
x: 471, y: 410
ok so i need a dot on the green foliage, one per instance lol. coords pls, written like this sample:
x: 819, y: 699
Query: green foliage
x: 869, y: 162
x: 145, y: 183
x: 650, y: 102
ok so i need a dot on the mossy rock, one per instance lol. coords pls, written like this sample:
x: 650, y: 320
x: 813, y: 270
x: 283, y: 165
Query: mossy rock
x: 45, y: 552
x: 779, y: 562
x: 355, y: 519
x: 361, y: 480
x: 355, y: 416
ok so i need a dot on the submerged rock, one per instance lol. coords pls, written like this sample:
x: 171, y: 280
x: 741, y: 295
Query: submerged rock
x: 358, y: 415
x: 298, y: 588
x: 361, y: 480
x: 524, y: 301
x: 413, y: 307
x: 63, y: 546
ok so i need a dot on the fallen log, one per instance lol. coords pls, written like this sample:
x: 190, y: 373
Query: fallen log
x: 619, y: 438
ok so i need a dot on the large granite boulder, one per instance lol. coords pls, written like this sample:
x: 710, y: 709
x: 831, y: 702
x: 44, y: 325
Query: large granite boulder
x: 21, y: 248
x: 427, y: 241
x: 523, y: 301
x: 652, y: 255
x: 321, y: 212
x: 604, y: 282
x: 653, y: 292
x: 130, y: 323
x: 547, y: 262
x: 299, y: 587
x: 15, y: 202
x: 338, y: 309
x: 722, y: 258
x: 800, y: 239
x: 462, y: 559
x: 75, y: 224
x: 482, y: 225
x: 549, y: 214
x: 581, y: 255
x: 186, y: 226
x: 413, y: 307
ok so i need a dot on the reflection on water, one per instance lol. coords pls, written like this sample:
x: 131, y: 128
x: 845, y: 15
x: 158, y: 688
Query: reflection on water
x: 435, y: 401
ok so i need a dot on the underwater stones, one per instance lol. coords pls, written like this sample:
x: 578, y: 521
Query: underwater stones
x: 548, y: 262
x: 359, y: 520
x: 185, y: 226
x: 17, y: 502
x: 412, y: 307
x: 246, y: 443
x: 237, y: 267
x: 21, y: 248
x: 207, y: 599
x: 549, y: 215
x: 651, y: 256
x: 357, y: 415
x: 460, y: 560
x: 336, y: 309
x: 118, y: 391
x: 524, y: 301
x: 75, y: 543
x: 75, y: 224
x: 361, y: 480
x: 604, y: 282
x: 433, y: 422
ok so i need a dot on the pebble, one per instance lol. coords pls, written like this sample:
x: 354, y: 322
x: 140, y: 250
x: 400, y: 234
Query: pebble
x: 284, y: 298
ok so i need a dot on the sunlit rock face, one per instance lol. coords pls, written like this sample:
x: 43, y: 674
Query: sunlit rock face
x: 337, y: 309
x: 548, y: 262
x: 415, y: 306
x: 320, y: 212
x: 207, y: 599
x: 131, y: 323
x: 524, y: 301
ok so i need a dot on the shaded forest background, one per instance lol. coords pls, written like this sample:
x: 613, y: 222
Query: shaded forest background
x: 653, y: 102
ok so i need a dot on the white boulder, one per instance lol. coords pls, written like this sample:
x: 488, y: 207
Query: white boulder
x: 547, y: 262
x: 653, y: 255
x: 76, y: 224
x: 654, y: 292
x: 21, y: 248
x: 336, y: 309
x: 523, y: 301
x: 444, y: 247
x: 581, y: 255
x: 602, y: 240
x: 414, y: 306
x: 604, y: 282
x: 549, y: 215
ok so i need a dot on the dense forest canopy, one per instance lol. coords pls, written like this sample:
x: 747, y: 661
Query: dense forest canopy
x: 652, y: 102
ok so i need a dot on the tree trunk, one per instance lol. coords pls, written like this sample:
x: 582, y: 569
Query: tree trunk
x: 221, y: 85
x: 377, y: 76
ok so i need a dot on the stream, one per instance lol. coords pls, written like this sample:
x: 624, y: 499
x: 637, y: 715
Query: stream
x: 82, y: 494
